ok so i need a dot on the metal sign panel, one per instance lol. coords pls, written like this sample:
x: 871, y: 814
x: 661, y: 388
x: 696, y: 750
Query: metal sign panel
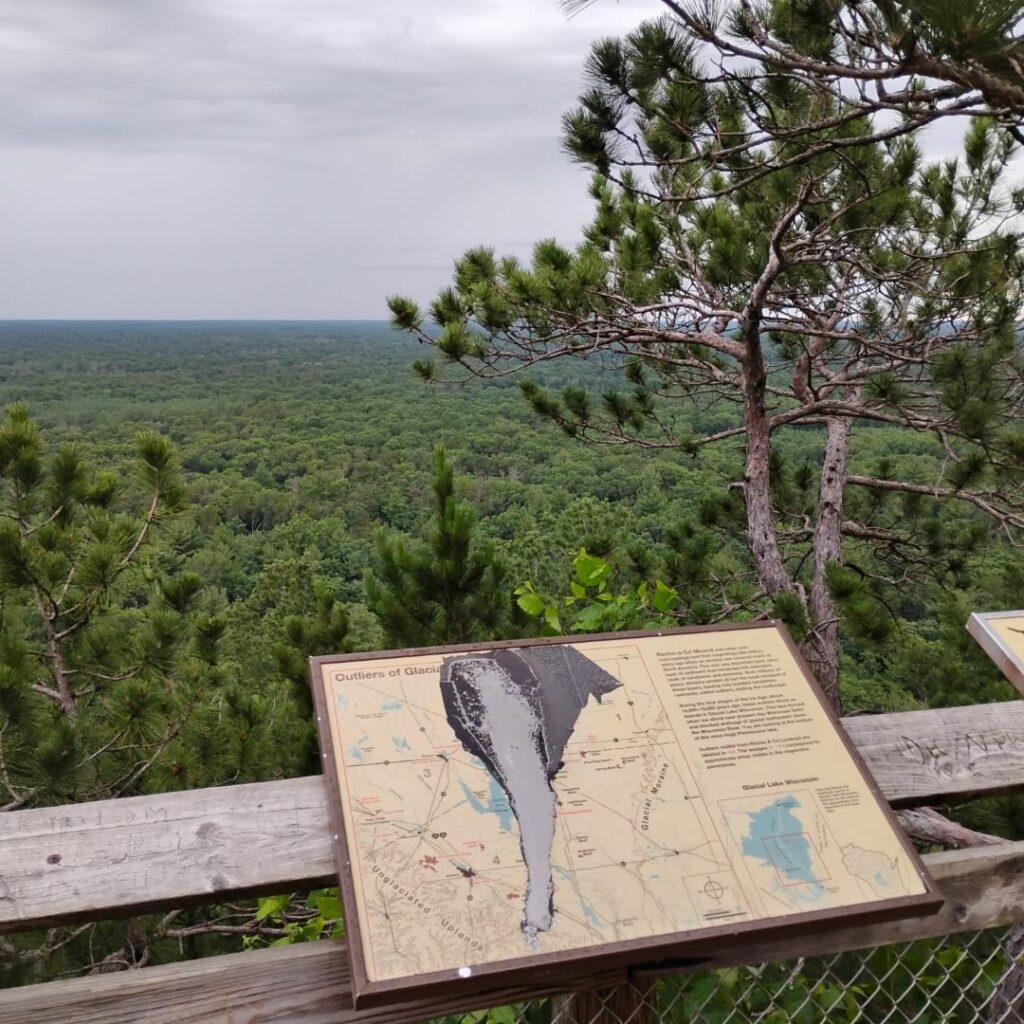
x: 501, y: 810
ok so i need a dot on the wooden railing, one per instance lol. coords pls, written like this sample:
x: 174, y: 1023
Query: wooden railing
x: 114, y: 858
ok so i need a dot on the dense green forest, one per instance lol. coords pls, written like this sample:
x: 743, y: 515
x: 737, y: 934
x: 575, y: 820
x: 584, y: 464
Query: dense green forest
x: 298, y: 440
x: 296, y: 449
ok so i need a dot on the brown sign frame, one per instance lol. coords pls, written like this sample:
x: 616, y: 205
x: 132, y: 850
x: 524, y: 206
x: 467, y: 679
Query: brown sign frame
x: 979, y: 626
x: 682, y: 949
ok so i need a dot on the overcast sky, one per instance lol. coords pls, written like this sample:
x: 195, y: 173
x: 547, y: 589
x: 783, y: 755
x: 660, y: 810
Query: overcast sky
x: 282, y: 158
x: 278, y: 158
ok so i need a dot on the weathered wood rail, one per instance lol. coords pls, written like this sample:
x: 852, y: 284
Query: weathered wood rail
x: 110, y: 858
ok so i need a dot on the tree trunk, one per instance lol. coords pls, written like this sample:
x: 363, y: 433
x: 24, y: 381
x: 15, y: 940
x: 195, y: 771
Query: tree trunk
x: 58, y: 668
x: 761, y: 533
x: 821, y: 648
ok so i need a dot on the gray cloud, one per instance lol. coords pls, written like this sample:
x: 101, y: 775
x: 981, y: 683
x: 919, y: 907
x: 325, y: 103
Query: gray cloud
x: 215, y: 75
x: 278, y: 158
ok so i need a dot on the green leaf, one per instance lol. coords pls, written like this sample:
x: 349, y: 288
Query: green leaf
x: 590, y: 570
x: 270, y: 906
x: 531, y: 604
x: 551, y: 618
x: 311, y: 930
x: 589, y: 619
x: 664, y: 598
x: 328, y: 904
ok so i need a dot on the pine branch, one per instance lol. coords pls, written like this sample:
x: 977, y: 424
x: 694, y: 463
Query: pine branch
x: 147, y: 522
x: 123, y: 785
x: 46, y: 522
x: 1008, y: 517
x: 53, y: 943
x: 253, y: 928
x: 876, y: 533
x: 20, y: 795
x: 47, y: 691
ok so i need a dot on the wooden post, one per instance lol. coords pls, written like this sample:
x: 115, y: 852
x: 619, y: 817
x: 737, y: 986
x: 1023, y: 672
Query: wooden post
x: 628, y: 1003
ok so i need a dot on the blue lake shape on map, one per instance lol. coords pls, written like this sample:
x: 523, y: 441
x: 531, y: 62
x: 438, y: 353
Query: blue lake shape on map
x: 400, y: 743
x: 497, y: 803
x: 776, y: 837
x: 342, y: 702
x: 392, y: 705
x: 355, y: 751
x: 585, y: 905
x: 591, y: 914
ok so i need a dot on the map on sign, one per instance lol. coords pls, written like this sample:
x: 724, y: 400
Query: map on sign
x: 500, y: 804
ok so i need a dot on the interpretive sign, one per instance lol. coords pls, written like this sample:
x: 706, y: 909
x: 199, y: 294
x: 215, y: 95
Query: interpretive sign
x: 510, y: 810
x: 1001, y: 635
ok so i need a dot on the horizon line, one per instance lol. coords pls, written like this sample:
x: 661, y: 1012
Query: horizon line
x: 189, y: 320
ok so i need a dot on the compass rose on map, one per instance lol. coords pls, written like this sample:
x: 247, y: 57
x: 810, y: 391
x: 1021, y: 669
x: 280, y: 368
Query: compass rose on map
x: 713, y: 890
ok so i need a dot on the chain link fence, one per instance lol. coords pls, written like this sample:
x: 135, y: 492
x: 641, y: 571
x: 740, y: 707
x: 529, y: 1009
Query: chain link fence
x: 972, y: 978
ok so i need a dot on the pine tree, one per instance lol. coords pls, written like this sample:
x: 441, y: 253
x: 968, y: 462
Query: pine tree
x: 926, y: 59
x: 820, y: 280
x: 451, y: 589
x: 326, y: 631
x: 110, y: 675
